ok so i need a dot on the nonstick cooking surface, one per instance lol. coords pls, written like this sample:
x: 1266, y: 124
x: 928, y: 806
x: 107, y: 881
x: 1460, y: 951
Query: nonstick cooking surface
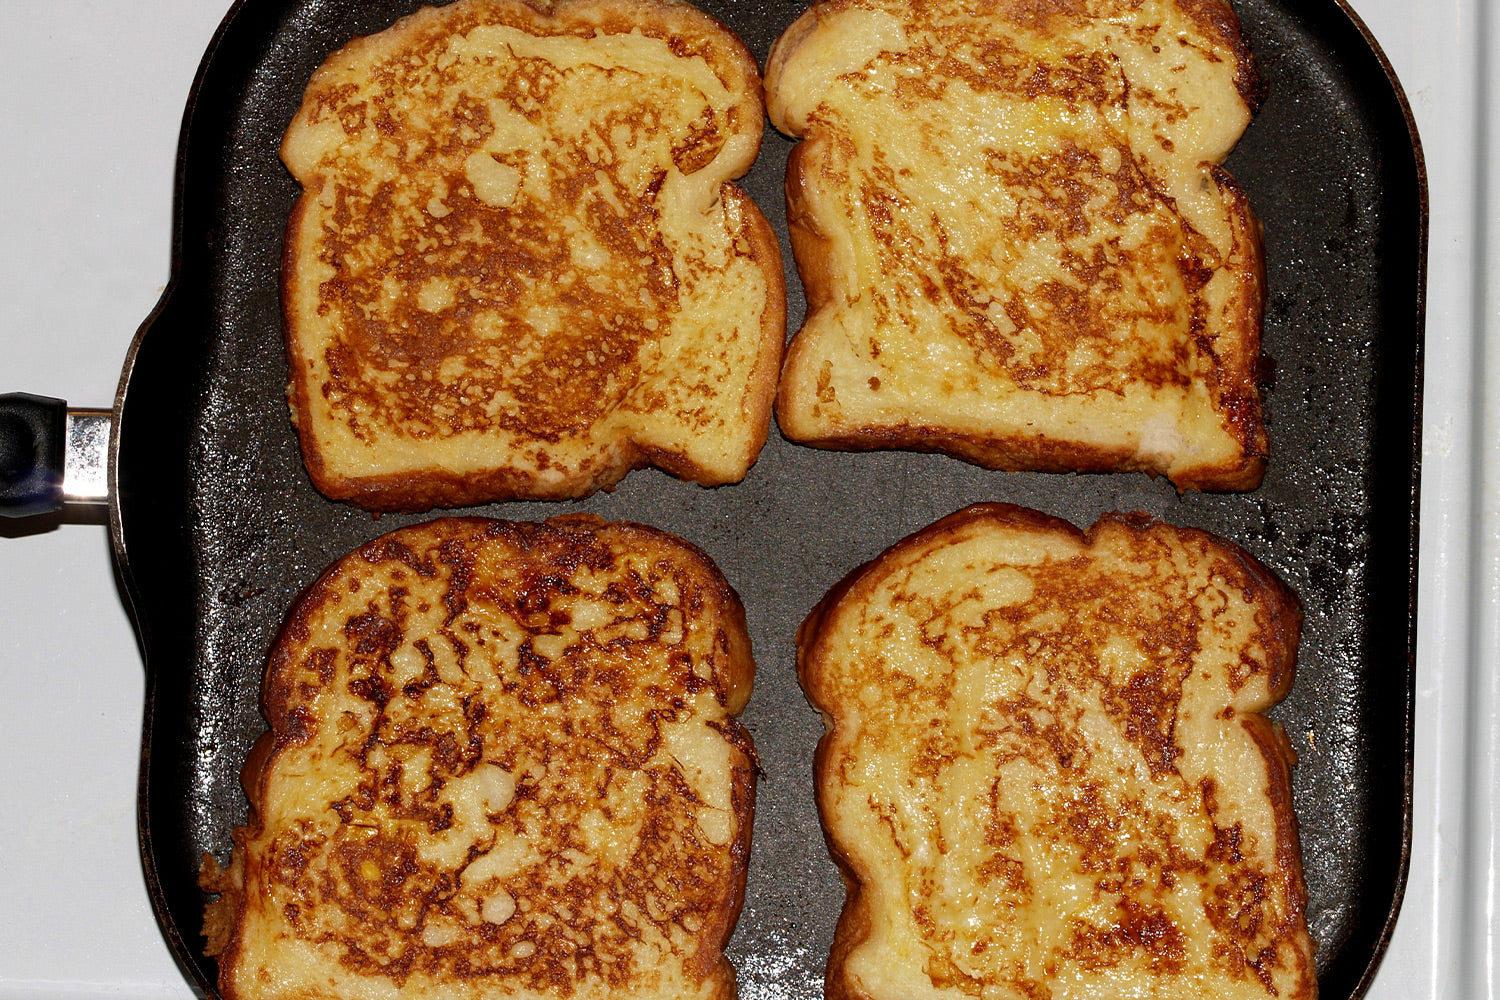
x: 218, y: 528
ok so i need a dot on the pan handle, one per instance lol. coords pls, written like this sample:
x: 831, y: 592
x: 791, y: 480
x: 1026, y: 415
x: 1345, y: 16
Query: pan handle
x: 51, y: 455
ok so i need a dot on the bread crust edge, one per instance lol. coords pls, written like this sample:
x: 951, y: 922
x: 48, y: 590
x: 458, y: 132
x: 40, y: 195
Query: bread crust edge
x: 1235, y: 390
x: 709, y: 962
x: 422, y: 490
x: 1279, y: 628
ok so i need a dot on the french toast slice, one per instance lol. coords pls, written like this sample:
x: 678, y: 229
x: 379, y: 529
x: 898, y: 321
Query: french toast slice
x: 503, y: 761
x: 1016, y: 238
x: 518, y: 268
x: 1045, y: 772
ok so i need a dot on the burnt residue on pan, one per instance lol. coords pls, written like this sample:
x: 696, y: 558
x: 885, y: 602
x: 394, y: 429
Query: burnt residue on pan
x: 218, y: 528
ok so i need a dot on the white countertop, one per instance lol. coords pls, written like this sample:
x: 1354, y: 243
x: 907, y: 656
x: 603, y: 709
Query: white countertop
x: 91, y: 98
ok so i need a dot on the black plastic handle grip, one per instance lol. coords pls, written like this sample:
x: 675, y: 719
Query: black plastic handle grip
x: 33, y: 432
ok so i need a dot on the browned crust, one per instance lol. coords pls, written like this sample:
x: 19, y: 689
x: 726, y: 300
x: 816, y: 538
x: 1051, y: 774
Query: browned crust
x: 692, y: 32
x: 422, y: 491
x: 1022, y: 453
x: 1280, y: 758
x: 1217, y: 17
x: 855, y: 585
x: 765, y: 250
x: 709, y: 960
x: 1279, y: 621
x: 1001, y: 452
x: 1281, y: 624
x: 1235, y: 391
x: 737, y: 679
x: 856, y: 918
x: 1279, y: 618
x: 810, y: 246
x: 298, y: 386
x: 223, y: 916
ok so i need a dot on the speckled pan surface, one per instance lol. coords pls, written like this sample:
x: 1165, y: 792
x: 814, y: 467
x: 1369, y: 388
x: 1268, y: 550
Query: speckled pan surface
x: 218, y: 528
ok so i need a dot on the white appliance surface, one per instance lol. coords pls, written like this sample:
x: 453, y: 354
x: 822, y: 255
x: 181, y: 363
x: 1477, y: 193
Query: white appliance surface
x: 91, y: 98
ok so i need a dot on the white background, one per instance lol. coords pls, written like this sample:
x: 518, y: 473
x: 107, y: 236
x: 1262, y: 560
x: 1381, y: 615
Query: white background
x: 91, y: 97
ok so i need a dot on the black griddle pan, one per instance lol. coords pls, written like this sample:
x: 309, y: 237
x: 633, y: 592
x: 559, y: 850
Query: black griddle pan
x: 217, y: 529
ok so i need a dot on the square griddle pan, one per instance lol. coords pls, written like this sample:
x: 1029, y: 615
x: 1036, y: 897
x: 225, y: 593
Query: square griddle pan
x: 217, y: 529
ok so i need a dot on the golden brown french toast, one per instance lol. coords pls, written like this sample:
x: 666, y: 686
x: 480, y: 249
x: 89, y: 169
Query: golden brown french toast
x: 1046, y: 775
x: 503, y: 762
x: 1016, y: 238
x: 518, y: 268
